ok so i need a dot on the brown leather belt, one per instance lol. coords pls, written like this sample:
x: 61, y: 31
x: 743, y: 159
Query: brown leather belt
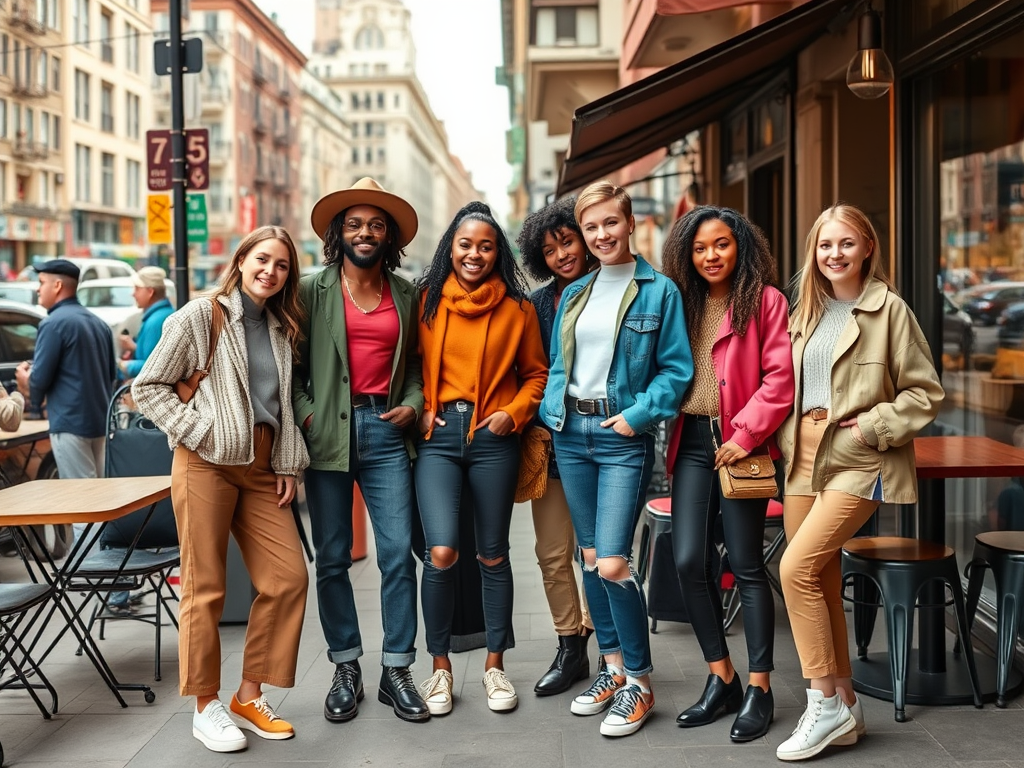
x: 818, y: 414
x: 361, y: 401
x: 597, y: 407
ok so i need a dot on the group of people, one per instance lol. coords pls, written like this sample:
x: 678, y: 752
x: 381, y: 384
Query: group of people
x: 422, y: 395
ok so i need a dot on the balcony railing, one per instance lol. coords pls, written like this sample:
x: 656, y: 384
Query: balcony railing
x: 286, y: 91
x: 259, y: 126
x: 259, y: 74
x: 32, y: 211
x: 282, y: 137
x: 261, y: 177
x: 24, y: 16
x: 30, y: 90
x: 215, y: 96
x: 30, y: 150
x: 220, y: 152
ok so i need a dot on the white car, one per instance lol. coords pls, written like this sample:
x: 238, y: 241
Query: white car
x: 112, y: 300
x: 21, y: 291
x: 92, y: 269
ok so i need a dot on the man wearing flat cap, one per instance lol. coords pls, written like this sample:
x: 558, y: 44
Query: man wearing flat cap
x: 357, y: 394
x: 151, y: 297
x: 73, y: 371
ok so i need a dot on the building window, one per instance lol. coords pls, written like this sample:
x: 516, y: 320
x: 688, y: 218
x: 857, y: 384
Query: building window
x: 83, y: 173
x: 398, y: 101
x: 54, y: 74
x: 131, y: 47
x: 81, y: 95
x: 381, y: 155
x: 369, y: 155
x: 133, y: 180
x: 568, y: 26
x: 355, y: 130
x: 30, y: 124
x: 106, y: 37
x: 43, y: 70
x: 53, y: 15
x: 80, y: 21
x: 3, y: 118
x: 355, y: 156
x: 44, y: 128
x: 132, y: 109
x: 107, y: 108
x: 355, y: 102
x: 5, y: 46
x: 368, y: 128
x: 108, y: 179
x: 380, y: 69
x: 55, y: 133
x: 380, y: 99
x: 369, y: 38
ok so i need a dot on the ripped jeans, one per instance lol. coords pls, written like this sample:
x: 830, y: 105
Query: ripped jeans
x: 605, y: 477
x: 486, y: 468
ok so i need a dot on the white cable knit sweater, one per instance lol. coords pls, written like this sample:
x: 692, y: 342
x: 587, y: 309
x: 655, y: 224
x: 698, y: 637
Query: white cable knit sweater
x: 218, y: 422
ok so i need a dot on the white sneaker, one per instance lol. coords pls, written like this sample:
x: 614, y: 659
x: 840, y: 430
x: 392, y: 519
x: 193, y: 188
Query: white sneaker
x: 849, y: 739
x: 215, y: 728
x: 437, y: 692
x: 824, y: 721
x: 501, y: 696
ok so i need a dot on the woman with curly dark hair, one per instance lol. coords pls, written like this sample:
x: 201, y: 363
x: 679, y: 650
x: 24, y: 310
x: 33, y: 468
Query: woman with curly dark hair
x: 552, y: 248
x: 723, y: 265
x: 484, y: 371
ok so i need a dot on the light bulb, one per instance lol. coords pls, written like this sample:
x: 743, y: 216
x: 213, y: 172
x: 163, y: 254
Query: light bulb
x: 870, y: 74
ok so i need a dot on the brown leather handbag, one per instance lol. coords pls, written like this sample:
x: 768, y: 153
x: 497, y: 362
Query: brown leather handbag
x: 752, y: 477
x: 186, y: 388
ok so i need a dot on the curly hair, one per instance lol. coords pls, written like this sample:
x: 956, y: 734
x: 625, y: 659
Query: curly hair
x: 334, y: 238
x: 285, y: 303
x: 433, y: 280
x: 755, y: 266
x: 550, y: 220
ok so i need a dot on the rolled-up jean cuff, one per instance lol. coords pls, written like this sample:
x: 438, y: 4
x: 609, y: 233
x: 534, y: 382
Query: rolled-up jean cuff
x: 397, y: 659
x: 641, y: 673
x: 607, y: 651
x: 340, y: 657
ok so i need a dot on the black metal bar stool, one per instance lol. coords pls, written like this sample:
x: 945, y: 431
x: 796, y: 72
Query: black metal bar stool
x: 899, y: 567
x: 1003, y: 553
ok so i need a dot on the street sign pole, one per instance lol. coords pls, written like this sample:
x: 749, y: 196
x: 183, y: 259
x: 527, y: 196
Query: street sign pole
x: 181, y: 273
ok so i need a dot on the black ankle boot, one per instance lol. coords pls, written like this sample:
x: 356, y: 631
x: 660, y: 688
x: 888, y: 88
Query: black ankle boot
x: 570, y: 665
x: 718, y: 696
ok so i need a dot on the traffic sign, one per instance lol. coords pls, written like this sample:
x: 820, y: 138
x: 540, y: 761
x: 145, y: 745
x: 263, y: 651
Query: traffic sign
x: 158, y: 219
x: 196, y: 218
x: 247, y: 213
x: 197, y: 159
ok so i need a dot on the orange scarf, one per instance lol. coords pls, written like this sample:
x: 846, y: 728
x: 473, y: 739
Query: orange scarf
x: 478, y: 303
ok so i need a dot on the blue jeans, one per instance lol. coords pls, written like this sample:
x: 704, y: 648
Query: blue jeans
x: 605, y: 477
x: 379, y: 462
x: 487, y: 468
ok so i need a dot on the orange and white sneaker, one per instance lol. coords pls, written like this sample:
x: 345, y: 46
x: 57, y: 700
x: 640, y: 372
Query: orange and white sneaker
x: 598, y: 697
x: 629, y: 711
x: 260, y: 718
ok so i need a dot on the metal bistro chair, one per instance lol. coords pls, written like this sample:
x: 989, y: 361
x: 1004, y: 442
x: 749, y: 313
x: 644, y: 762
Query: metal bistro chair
x: 20, y: 606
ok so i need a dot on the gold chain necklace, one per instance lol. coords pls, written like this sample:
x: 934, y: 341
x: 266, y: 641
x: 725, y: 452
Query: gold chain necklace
x: 348, y: 289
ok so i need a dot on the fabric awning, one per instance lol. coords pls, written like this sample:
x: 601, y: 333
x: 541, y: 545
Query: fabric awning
x: 650, y: 114
x: 680, y: 7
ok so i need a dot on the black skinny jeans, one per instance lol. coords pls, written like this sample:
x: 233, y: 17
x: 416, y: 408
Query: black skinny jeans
x: 696, y: 503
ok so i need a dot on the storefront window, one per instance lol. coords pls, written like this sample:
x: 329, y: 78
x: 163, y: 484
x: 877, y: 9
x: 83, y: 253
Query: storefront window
x: 974, y: 112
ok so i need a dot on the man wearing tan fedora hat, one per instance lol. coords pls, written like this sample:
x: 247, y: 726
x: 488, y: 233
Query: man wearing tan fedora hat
x: 357, y: 394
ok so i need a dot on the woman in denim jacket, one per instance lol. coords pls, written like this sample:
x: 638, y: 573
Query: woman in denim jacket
x: 604, y: 402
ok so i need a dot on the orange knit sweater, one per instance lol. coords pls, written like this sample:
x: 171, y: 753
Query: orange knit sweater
x: 493, y: 349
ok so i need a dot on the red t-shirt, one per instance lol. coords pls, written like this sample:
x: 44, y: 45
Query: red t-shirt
x: 372, y: 339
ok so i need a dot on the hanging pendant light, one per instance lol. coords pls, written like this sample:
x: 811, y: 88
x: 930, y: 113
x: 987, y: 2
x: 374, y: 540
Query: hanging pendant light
x: 870, y: 73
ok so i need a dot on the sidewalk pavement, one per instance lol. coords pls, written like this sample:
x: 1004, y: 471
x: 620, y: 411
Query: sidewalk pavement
x: 92, y: 730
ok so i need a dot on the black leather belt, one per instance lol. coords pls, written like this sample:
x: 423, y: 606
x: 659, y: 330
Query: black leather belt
x: 457, y: 406
x: 597, y: 407
x: 361, y: 401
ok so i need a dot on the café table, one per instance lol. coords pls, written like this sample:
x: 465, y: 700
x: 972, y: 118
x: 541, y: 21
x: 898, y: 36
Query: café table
x: 935, y: 675
x: 93, y: 501
x: 30, y: 432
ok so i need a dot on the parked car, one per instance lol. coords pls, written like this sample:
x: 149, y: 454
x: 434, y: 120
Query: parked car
x: 92, y: 269
x: 1011, y: 326
x: 112, y: 300
x: 985, y: 303
x: 18, y: 327
x: 23, y: 292
x: 957, y: 331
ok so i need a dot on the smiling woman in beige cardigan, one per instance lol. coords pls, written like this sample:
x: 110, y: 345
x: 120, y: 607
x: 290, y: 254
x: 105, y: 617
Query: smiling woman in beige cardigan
x: 237, y: 452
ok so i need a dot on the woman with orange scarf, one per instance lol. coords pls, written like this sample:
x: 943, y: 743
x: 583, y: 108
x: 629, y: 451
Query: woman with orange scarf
x: 484, y: 371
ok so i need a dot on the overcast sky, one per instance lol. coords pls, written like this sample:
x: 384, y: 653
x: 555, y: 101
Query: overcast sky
x: 458, y: 46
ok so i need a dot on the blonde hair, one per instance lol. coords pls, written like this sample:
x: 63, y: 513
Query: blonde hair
x: 600, y: 191
x: 815, y: 289
x: 285, y: 303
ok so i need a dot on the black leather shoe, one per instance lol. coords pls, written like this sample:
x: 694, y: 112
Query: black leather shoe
x: 571, y: 665
x: 346, y: 692
x: 398, y: 691
x: 755, y: 715
x: 718, y: 696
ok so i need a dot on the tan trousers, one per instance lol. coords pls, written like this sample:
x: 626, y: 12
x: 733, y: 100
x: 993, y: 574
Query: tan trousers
x: 209, y: 502
x: 817, y: 527
x: 556, y: 547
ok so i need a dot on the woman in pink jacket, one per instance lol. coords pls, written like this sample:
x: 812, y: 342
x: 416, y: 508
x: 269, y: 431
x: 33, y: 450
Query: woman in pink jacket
x: 742, y: 391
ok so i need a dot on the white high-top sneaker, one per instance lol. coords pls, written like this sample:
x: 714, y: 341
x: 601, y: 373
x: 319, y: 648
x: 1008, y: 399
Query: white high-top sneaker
x: 824, y: 721
x: 849, y: 739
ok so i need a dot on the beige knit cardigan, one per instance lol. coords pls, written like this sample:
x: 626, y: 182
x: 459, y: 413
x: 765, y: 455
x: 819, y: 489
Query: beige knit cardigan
x: 218, y: 422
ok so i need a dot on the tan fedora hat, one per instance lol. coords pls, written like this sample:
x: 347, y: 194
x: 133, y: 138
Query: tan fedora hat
x: 366, y: 191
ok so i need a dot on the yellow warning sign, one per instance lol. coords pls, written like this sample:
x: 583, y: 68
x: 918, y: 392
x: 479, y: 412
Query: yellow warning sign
x: 158, y: 219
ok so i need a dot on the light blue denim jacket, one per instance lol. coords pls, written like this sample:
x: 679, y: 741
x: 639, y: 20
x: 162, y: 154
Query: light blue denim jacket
x: 652, y: 366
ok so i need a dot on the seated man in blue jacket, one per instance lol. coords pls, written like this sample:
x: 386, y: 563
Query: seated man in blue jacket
x: 151, y: 297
